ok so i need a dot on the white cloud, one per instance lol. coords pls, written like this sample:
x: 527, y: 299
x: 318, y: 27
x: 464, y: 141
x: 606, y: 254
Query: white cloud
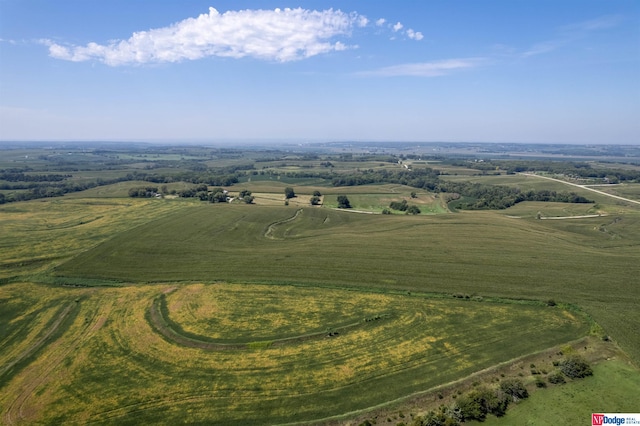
x: 425, y: 69
x: 280, y: 35
x: 380, y: 22
x: 397, y: 27
x: 414, y: 35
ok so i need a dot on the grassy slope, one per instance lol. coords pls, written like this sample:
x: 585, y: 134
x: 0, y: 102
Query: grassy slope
x: 475, y: 253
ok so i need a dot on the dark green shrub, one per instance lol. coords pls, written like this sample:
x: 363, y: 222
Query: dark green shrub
x: 479, y: 402
x: 556, y: 378
x: 575, y: 367
x: 540, y: 383
x: 514, y: 389
x: 413, y: 210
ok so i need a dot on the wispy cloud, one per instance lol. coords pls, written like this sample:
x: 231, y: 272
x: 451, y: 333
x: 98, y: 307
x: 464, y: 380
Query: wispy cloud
x: 573, y: 32
x: 600, y: 23
x: 280, y: 35
x: 540, y: 48
x: 397, y: 27
x: 425, y: 69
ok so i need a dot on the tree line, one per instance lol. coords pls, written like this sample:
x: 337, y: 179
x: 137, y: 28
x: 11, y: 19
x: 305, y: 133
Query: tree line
x: 478, y: 196
x: 16, y: 176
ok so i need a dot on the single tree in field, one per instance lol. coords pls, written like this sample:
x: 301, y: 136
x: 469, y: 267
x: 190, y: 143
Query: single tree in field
x: 315, y: 200
x: 217, y: 197
x: 245, y: 195
x: 413, y: 210
x: 317, y: 193
x: 343, y: 202
x: 289, y: 192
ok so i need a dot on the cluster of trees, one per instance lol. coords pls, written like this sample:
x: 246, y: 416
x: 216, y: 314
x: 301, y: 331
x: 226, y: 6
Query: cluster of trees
x: 146, y: 192
x: 482, y: 196
x: 245, y: 195
x: 200, y: 191
x: 343, y: 202
x: 214, y: 195
x: 476, y: 405
x: 209, y: 177
x: 315, y: 199
x: 403, y: 206
x: 502, y: 197
x: 418, y: 178
x: 575, y: 367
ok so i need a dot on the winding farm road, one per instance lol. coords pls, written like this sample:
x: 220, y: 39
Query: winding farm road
x: 583, y: 187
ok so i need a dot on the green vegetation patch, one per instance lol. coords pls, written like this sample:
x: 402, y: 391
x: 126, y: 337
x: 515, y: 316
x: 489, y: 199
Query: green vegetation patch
x: 609, y: 390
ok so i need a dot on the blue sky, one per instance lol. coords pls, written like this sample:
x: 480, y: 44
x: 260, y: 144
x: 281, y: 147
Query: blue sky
x: 560, y: 71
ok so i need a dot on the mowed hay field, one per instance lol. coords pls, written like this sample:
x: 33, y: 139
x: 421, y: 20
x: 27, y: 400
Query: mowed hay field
x: 110, y: 365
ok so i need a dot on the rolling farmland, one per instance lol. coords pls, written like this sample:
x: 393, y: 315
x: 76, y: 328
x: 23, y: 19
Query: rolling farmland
x: 119, y: 310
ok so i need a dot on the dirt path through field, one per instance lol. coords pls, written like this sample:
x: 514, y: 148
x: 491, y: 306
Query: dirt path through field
x: 584, y: 216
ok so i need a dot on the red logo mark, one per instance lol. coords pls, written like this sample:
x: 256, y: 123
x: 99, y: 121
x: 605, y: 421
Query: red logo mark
x: 597, y: 419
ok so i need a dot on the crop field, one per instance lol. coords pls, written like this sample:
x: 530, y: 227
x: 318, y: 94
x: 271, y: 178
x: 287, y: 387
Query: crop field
x: 591, y: 262
x: 290, y: 369
x: 39, y: 233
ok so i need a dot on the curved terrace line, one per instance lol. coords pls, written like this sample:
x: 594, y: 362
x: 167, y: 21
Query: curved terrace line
x: 161, y: 325
x: 269, y: 232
